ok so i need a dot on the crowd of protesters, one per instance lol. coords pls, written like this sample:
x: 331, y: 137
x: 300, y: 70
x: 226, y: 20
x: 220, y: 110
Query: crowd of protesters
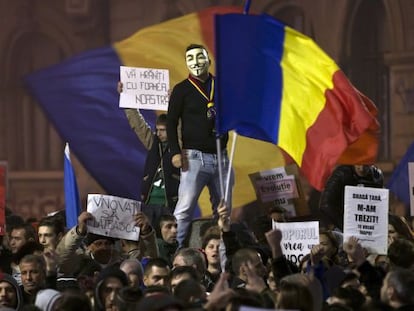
x: 47, y: 267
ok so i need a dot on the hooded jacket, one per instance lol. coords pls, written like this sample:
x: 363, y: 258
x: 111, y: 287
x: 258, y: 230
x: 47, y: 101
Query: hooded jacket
x: 111, y: 271
x: 4, y: 277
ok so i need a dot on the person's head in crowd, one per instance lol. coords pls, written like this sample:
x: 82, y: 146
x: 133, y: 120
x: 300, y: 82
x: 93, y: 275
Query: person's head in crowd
x: 277, y: 213
x: 127, y: 298
x: 294, y: 296
x: 190, y: 257
x: 134, y: 271
x: 33, y: 273
x: 329, y: 244
x: 50, y: 230
x: 181, y: 273
x: 168, y: 228
x: 300, y: 292
x: 347, y: 296
x: 351, y: 279
x: 10, y: 293
x: 156, y: 273
x: 87, y: 275
x: 398, y: 288
x: 100, y: 247
x: 46, y: 299
x: 271, y: 282
x: 198, y: 61
x: 210, y: 246
x: 191, y: 293
x: 109, y: 282
x: 244, y: 297
x: 161, y: 127
x: 29, y: 248
x: 20, y: 235
x: 73, y: 301
x: 241, y: 259
x: 398, y: 229
x: 401, y: 253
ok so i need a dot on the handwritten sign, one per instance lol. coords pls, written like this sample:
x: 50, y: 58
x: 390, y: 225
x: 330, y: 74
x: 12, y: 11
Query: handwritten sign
x: 274, y: 184
x: 366, y: 217
x: 144, y: 88
x: 298, y: 238
x: 113, y: 216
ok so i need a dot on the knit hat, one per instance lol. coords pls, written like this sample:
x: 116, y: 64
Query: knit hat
x: 46, y: 298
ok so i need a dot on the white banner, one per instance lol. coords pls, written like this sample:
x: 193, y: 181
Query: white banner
x: 366, y: 217
x: 113, y: 216
x: 298, y: 238
x: 144, y: 88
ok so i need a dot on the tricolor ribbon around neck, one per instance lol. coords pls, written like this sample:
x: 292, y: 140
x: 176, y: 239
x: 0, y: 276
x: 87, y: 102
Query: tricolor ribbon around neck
x: 209, y: 99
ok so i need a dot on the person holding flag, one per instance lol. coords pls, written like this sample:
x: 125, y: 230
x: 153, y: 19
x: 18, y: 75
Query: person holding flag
x: 192, y: 102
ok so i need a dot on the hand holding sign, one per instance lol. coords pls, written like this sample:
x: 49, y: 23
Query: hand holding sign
x: 82, y: 222
x: 141, y: 221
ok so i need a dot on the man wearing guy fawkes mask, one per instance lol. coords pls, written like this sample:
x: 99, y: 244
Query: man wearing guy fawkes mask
x: 192, y: 101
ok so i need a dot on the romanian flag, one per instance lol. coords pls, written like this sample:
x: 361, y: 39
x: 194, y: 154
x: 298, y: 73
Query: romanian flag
x: 275, y: 84
x: 79, y: 97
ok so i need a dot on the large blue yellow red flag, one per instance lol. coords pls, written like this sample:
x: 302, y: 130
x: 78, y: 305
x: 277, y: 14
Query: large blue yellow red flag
x: 79, y: 97
x: 275, y: 84
x: 72, y: 201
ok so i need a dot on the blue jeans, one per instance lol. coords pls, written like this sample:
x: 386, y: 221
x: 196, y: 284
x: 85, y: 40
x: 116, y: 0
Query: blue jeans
x: 202, y: 171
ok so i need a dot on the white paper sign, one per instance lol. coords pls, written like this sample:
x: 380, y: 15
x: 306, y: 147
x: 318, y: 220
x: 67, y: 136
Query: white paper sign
x: 366, y: 217
x: 113, y: 216
x: 298, y: 238
x: 144, y: 88
x: 275, y: 184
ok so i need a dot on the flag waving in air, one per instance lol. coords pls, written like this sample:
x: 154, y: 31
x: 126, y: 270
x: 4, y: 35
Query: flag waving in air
x: 276, y: 85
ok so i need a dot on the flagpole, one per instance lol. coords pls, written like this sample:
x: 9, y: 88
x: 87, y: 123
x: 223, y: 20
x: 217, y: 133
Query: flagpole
x: 233, y: 147
x: 220, y: 166
x: 246, y: 6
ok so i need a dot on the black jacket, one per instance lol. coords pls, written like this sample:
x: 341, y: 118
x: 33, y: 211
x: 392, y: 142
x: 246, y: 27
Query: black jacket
x: 332, y: 197
x: 160, y: 157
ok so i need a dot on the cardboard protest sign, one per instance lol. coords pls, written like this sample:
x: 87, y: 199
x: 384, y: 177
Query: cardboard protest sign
x: 298, y: 238
x: 113, y: 216
x: 280, y: 187
x: 144, y: 88
x: 274, y: 184
x: 366, y: 217
x: 3, y: 194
